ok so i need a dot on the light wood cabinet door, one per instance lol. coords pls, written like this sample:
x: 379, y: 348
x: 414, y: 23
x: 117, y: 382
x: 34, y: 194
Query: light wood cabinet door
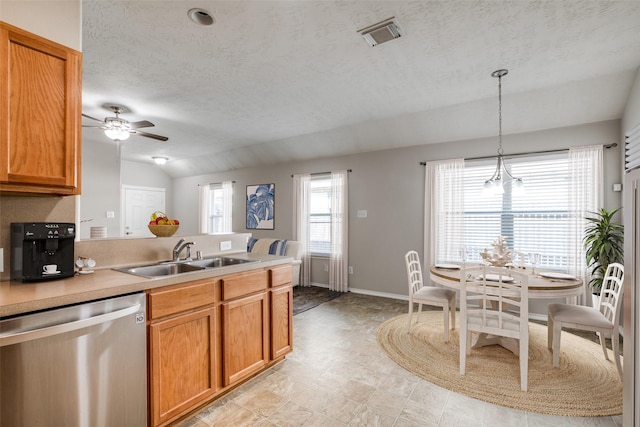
x: 182, y: 363
x: 245, y: 337
x: 40, y: 114
x: 281, y: 321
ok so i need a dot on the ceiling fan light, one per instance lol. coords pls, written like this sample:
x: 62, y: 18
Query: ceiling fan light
x: 160, y: 160
x: 117, y: 134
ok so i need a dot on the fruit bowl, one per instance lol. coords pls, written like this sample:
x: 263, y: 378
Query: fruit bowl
x: 161, y: 226
x: 163, y: 230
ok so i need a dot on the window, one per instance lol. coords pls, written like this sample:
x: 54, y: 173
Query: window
x: 216, y: 207
x: 320, y: 215
x: 537, y: 221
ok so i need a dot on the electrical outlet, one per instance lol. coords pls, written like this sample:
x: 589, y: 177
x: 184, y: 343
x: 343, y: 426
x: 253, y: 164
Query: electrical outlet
x: 326, y: 267
x: 225, y: 246
x: 350, y: 270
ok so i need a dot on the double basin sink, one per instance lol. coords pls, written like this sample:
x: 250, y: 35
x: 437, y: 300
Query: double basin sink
x: 171, y: 268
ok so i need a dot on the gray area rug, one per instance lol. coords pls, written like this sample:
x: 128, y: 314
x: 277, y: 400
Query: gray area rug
x: 308, y: 297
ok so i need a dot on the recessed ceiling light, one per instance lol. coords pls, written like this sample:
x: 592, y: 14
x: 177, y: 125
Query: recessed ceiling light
x: 200, y: 16
x: 160, y: 160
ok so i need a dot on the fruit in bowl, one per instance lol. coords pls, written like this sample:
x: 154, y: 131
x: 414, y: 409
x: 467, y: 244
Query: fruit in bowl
x: 161, y: 225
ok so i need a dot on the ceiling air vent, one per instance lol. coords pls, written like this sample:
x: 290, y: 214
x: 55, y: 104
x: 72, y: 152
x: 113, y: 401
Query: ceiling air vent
x: 381, y: 32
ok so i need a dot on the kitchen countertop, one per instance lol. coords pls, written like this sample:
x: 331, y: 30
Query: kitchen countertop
x: 18, y: 297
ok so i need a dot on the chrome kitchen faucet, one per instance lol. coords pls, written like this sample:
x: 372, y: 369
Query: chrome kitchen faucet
x: 179, y: 247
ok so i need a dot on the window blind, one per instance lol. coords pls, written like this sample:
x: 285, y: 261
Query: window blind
x: 534, y: 222
x: 632, y: 149
x: 320, y: 215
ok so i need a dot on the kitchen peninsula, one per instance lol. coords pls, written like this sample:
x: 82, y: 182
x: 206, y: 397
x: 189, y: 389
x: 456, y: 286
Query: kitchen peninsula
x: 207, y: 331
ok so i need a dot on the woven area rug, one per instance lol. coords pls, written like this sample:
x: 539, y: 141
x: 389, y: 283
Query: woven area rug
x: 585, y: 384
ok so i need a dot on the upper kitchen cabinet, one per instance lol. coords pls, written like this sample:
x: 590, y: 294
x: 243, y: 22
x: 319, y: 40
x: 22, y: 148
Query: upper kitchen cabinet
x: 40, y: 114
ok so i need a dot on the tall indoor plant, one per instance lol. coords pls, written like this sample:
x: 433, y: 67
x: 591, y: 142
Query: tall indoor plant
x: 603, y: 241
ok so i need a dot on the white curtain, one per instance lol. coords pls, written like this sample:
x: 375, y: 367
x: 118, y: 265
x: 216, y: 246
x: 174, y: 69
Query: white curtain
x: 443, y: 210
x: 338, y: 258
x: 227, y: 208
x: 204, y: 196
x: 301, y: 223
x: 585, y: 196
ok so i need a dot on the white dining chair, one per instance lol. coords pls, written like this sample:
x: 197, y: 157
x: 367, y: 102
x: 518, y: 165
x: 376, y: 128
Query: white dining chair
x: 428, y: 295
x: 494, y: 302
x: 602, y: 319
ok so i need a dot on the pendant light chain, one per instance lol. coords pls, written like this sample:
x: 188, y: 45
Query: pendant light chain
x: 500, y: 113
x: 495, y: 183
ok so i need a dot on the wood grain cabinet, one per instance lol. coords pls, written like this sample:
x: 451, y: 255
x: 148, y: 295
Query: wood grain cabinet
x: 208, y: 336
x: 40, y: 114
x: 245, y: 320
x: 281, y: 294
x: 183, y: 356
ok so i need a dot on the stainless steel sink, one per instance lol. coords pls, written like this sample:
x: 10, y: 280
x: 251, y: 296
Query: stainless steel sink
x: 168, y: 268
x: 219, y: 262
x: 160, y: 270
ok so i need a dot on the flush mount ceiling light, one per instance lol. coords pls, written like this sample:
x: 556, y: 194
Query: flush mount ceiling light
x: 381, y: 32
x: 160, y: 160
x: 495, y: 184
x: 200, y: 16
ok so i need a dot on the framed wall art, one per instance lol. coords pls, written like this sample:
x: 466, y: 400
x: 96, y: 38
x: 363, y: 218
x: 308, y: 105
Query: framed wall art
x: 261, y: 206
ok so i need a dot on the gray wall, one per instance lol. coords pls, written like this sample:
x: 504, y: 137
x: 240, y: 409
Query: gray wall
x: 103, y: 175
x: 389, y: 184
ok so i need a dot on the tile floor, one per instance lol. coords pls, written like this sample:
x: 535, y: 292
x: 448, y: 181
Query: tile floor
x: 338, y: 376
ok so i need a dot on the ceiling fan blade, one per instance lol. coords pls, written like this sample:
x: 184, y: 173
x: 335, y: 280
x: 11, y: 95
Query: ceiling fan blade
x: 150, y: 135
x: 92, y: 118
x: 93, y: 126
x: 141, y: 124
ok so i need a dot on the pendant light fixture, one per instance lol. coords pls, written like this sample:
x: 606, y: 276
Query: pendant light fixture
x: 495, y: 184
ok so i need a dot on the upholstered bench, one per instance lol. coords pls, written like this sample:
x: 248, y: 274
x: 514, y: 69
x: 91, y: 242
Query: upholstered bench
x: 290, y: 248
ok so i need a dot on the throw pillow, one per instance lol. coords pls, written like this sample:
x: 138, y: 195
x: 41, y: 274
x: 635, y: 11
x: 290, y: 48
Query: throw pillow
x: 279, y: 247
x: 250, y: 243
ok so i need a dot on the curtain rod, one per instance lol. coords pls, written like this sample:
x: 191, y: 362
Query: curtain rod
x: 233, y: 182
x: 560, y: 150
x: 323, y: 173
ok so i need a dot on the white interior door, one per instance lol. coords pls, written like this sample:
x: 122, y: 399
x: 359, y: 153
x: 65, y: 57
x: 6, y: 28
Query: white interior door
x: 138, y: 203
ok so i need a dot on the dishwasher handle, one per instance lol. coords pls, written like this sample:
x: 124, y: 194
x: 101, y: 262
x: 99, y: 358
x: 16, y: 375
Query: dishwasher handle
x: 24, y: 336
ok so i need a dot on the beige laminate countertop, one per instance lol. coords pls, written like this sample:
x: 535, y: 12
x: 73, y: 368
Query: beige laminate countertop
x: 18, y: 297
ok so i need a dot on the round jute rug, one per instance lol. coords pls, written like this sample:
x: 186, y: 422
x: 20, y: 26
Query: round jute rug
x: 585, y: 384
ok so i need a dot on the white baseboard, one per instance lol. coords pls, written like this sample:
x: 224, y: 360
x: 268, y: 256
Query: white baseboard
x: 533, y: 316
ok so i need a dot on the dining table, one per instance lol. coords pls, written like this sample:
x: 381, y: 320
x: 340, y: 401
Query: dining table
x: 542, y: 285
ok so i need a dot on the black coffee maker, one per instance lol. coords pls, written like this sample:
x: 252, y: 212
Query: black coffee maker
x: 42, y: 250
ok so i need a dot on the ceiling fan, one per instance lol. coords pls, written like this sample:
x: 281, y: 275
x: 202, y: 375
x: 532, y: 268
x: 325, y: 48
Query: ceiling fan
x: 120, y: 129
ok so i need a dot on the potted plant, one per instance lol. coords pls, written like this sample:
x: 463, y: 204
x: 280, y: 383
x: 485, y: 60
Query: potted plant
x: 603, y: 241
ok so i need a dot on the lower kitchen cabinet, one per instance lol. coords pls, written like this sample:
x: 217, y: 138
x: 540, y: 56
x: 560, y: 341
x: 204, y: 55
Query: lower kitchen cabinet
x: 183, y: 363
x: 207, y: 336
x: 281, y: 319
x: 245, y: 337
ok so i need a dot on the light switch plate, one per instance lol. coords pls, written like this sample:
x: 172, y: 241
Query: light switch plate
x: 225, y: 246
x: 110, y: 214
x: 362, y: 214
x: 1, y: 260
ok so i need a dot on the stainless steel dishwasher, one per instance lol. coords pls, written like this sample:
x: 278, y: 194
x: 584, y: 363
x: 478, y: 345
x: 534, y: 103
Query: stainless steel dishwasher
x: 82, y: 365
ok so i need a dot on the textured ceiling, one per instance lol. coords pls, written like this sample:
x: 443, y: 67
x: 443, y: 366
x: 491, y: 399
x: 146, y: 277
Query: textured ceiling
x: 275, y: 81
